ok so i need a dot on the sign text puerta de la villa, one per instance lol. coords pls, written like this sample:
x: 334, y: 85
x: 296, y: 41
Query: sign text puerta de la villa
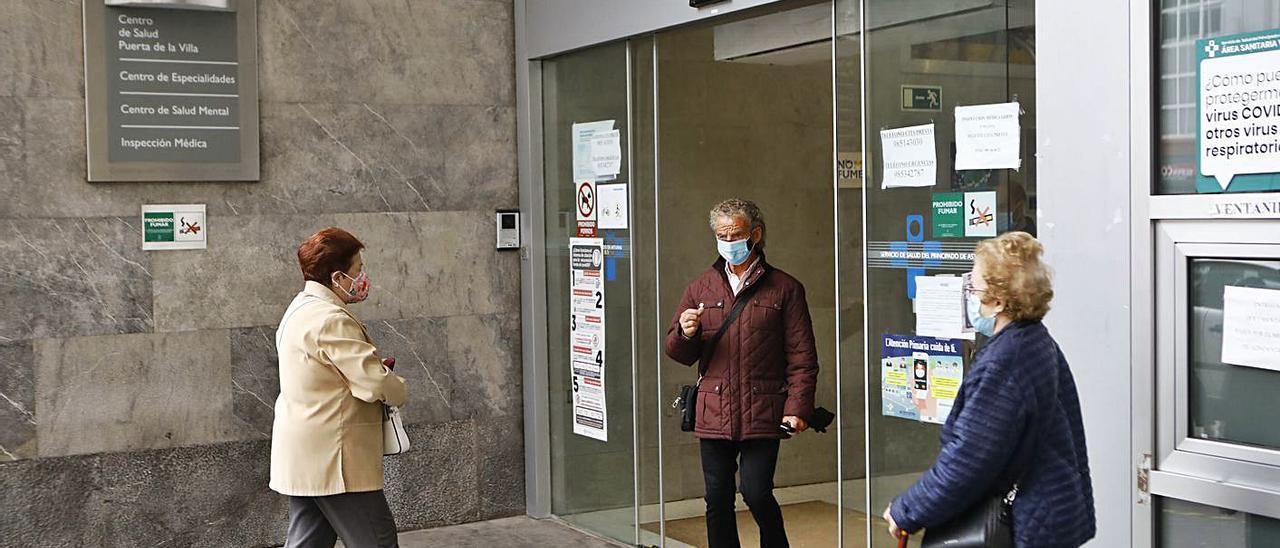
x: 171, y: 92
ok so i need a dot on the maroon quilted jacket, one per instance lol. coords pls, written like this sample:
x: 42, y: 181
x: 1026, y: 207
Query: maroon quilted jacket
x: 766, y: 365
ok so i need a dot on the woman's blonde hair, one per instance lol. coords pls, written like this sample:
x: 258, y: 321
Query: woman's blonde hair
x: 1015, y: 274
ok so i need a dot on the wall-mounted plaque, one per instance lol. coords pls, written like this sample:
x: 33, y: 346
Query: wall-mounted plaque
x: 171, y: 93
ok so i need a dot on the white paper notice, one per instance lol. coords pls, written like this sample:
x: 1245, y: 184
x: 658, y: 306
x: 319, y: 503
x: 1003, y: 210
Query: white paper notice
x: 1251, y: 327
x: 584, y: 168
x: 586, y: 338
x: 612, y: 202
x: 940, y: 307
x: 910, y: 157
x: 988, y: 137
x: 606, y: 154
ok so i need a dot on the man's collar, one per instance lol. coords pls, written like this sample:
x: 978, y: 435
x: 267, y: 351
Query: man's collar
x: 745, y: 273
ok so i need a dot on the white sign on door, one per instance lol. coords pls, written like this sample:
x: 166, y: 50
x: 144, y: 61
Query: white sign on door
x: 910, y: 157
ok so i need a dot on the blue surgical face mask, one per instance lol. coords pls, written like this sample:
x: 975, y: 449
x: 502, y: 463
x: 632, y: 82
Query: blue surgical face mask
x: 735, y: 252
x: 982, y: 324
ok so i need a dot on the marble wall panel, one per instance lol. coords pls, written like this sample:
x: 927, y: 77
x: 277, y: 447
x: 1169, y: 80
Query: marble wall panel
x: 132, y: 392
x: 316, y: 158
x: 207, y: 496
x: 73, y: 277
x: 481, y: 157
x: 46, y: 501
x: 387, y: 51
x: 43, y: 49
x: 13, y: 172
x: 435, y: 483
x: 216, y: 495
x: 255, y: 381
x: 500, y: 446
x: 421, y: 265
x: 484, y: 352
x: 17, y: 402
x: 420, y: 347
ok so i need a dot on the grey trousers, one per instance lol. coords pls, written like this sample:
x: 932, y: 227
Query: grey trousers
x: 362, y: 520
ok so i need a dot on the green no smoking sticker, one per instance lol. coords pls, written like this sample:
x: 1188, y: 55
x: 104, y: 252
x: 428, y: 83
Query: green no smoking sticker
x: 157, y: 227
x: 173, y: 227
x: 948, y: 215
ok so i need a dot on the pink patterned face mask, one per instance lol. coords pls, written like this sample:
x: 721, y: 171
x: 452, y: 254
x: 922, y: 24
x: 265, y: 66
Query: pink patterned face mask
x: 359, y: 288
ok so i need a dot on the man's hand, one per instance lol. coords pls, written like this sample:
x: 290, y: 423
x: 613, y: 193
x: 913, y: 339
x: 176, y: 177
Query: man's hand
x: 796, y: 422
x: 894, y: 530
x: 690, y: 320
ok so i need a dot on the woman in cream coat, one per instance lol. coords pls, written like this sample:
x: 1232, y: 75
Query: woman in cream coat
x: 326, y: 444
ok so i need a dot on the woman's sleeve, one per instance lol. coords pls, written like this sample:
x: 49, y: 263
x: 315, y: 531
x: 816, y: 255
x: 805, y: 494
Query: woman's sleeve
x: 986, y: 433
x: 343, y: 343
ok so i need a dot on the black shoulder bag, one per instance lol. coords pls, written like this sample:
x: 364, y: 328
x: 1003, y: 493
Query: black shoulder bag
x: 687, y: 401
x: 989, y: 523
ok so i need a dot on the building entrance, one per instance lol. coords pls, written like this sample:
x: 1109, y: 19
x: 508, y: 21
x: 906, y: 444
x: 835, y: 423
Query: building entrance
x: 780, y: 106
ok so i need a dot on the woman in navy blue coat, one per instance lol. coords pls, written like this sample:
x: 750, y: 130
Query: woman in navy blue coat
x: 1018, y: 391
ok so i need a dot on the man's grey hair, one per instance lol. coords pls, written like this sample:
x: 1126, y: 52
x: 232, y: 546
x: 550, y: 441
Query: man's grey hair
x: 737, y: 207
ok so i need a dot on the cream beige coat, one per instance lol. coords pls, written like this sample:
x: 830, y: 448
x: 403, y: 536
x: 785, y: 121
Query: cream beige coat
x: 327, y: 437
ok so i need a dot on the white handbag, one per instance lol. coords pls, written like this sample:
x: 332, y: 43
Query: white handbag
x: 395, y: 439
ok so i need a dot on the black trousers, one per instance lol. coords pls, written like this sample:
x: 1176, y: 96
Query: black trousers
x: 363, y: 520
x: 759, y: 460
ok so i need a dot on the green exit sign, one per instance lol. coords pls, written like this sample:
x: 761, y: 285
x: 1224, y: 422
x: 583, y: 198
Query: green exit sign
x: 925, y: 98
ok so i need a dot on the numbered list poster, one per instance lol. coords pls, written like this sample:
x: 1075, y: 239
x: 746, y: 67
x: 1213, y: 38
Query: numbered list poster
x: 586, y: 337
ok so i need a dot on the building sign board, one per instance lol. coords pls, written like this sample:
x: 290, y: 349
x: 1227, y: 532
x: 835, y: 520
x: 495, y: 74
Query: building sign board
x: 171, y: 94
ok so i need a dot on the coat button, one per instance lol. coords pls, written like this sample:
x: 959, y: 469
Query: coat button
x: 755, y: 389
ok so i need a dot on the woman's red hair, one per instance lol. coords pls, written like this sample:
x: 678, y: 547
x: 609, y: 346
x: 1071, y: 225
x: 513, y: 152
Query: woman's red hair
x: 325, y: 252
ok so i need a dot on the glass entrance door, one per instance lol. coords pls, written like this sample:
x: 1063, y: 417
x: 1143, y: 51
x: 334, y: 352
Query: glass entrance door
x: 763, y: 105
x: 745, y: 111
x: 591, y: 308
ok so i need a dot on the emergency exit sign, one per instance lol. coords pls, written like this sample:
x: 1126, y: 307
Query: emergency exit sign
x: 922, y: 98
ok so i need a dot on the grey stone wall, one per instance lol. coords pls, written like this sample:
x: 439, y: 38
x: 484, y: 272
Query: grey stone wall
x: 136, y: 387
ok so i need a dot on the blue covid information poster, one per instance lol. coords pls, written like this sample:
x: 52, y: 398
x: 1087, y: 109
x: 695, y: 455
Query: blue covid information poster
x: 920, y: 377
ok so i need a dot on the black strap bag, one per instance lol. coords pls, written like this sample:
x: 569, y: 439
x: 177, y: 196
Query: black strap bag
x: 989, y: 523
x: 687, y: 401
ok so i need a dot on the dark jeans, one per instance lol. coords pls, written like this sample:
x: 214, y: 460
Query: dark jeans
x: 363, y: 520
x: 759, y: 459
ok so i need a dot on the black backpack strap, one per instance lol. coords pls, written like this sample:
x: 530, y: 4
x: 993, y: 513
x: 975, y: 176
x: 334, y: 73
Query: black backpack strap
x: 739, y: 304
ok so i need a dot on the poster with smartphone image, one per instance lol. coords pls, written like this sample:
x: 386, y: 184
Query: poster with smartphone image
x: 920, y: 377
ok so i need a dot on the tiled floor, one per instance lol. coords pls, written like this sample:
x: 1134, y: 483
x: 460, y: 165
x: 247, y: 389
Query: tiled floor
x: 513, y: 532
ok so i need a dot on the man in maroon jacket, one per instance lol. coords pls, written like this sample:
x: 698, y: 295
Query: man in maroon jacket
x: 760, y: 374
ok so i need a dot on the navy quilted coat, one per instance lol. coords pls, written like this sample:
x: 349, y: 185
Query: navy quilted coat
x: 1019, y: 381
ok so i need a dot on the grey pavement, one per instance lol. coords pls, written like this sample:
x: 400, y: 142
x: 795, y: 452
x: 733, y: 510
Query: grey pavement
x: 502, y: 533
